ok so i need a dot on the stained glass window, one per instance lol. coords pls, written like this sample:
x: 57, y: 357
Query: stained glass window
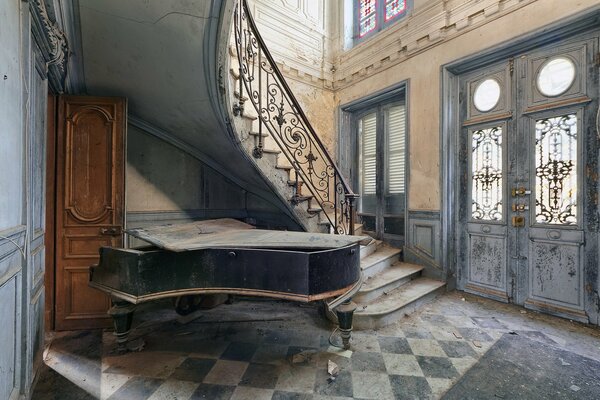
x: 367, y: 16
x: 394, y: 8
x: 486, y: 174
x: 556, y: 170
x: 373, y: 15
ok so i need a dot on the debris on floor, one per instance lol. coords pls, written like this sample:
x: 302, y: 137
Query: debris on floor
x: 332, y: 368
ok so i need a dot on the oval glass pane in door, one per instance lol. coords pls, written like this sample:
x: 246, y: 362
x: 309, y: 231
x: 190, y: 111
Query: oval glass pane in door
x: 486, y: 95
x: 556, y: 76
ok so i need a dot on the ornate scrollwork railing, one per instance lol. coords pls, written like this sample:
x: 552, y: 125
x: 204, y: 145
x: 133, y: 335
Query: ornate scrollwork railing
x: 280, y: 114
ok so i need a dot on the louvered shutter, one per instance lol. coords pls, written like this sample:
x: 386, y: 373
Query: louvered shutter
x: 396, y: 136
x: 368, y: 133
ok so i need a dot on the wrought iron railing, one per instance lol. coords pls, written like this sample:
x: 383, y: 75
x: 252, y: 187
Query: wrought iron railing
x: 280, y: 114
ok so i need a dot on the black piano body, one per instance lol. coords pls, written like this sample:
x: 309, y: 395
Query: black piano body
x: 227, y: 256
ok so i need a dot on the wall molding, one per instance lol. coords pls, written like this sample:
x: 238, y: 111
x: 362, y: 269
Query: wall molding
x: 12, y: 243
x: 52, y: 42
x: 429, y: 27
x: 423, y: 241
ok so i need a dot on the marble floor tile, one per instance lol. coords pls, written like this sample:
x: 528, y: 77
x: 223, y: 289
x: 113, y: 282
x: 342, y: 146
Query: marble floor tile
x: 207, y: 391
x: 437, y: 367
x: 138, y: 388
x: 402, y: 364
x: 226, y: 372
x: 282, y: 395
x: 371, y: 385
x: 110, y: 383
x: 239, y: 351
x: 153, y: 364
x: 250, y: 393
x: 426, y: 347
x: 410, y: 388
x: 297, y: 379
x: 396, y: 345
x: 368, y: 362
x: 270, y: 354
x: 193, y: 369
x: 260, y: 376
x: 457, y: 349
x: 174, y: 390
x: 341, y: 386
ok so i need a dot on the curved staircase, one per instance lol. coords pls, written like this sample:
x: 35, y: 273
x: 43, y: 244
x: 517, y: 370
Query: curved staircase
x: 392, y: 288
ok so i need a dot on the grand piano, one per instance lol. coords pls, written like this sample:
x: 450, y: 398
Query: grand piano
x: 231, y: 257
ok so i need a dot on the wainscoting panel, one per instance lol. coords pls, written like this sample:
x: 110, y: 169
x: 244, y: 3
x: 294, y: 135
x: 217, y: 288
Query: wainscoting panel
x: 423, y: 244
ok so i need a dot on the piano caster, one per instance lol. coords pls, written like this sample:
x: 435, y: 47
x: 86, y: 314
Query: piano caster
x: 345, y: 313
x: 122, y: 315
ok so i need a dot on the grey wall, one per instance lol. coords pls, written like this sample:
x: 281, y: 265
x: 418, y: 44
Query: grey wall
x: 164, y: 184
x: 23, y: 94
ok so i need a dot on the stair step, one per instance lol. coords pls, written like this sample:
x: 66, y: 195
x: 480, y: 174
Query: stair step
x: 236, y: 94
x: 399, y: 302
x: 252, y: 133
x: 271, y: 151
x: 370, y: 248
x: 285, y: 167
x: 299, y: 199
x: 232, y: 50
x: 314, y: 210
x: 386, y: 281
x: 380, y: 260
x: 235, y: 73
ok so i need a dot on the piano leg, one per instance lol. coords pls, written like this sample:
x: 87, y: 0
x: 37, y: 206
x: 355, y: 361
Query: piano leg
x: 345, y: 314
x: 122, y: 315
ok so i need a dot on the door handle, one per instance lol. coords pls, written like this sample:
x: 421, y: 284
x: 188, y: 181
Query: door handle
x: 520, y: 192
x: 520, y: 207
x: 112, y: 231
x: 518, y: 221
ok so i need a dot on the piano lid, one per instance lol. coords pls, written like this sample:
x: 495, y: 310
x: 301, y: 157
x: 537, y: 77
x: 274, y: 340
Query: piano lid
x: 230, y: 233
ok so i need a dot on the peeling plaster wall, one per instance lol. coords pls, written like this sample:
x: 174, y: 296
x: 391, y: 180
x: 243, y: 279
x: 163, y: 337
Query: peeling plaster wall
x: 438, y: 32
x: 162, y: 178
x: 298, y: 34
x: 166, y: 185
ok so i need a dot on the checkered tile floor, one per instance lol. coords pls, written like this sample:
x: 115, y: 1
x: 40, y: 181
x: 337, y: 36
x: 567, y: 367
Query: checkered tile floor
x: 227, y: 353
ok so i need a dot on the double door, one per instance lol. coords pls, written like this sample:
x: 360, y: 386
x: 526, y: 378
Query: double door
x: 381, y: 170
x: 528, y: 216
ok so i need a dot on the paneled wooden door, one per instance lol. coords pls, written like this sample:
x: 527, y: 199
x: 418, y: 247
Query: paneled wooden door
x: 90, y: 192
x: 528, y: 215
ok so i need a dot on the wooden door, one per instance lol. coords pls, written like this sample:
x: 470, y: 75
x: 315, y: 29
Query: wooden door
x: 528, y: 218
x: 90, y: 203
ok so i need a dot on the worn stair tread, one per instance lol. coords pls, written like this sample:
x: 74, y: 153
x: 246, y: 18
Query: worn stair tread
x: 397, y: 271
x: 371, y: 248
x: 383, y: 253
x: 286, y: 167
x: 252, y: 133
x: 301, y: 198
x: 271, y: 151
x: 400, y: 297
x: 314, y: 210
x: 235, y: 73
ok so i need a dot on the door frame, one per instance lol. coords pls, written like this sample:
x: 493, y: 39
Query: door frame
x: 49, y: 239
x: 348, y: 140
x: 450, y: 124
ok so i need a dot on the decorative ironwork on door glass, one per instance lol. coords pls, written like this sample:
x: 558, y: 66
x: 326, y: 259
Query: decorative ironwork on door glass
x: 486, y: 174
x: 556, y: 170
